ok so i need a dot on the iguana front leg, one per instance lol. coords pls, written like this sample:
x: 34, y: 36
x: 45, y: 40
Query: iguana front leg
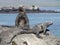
x: 37, y: 34
x: 44, y: 30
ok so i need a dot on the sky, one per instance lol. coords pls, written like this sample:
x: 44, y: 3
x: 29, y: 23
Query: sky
x: 46, y: 3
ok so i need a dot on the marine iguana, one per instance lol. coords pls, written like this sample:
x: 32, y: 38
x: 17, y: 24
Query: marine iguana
x: 37, y: 29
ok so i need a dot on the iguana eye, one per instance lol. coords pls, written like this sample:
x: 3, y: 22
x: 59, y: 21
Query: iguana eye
x: 14, y: 43
x: 41, y: 27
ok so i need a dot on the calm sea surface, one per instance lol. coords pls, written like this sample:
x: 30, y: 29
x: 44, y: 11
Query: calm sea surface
x: 35, y: 18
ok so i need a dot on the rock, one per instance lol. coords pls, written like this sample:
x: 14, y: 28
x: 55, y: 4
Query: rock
x: 26, y: 39
x: 3, y: 29
x: 58, y: 41
x: 31, y: 39
x: 6, y: 35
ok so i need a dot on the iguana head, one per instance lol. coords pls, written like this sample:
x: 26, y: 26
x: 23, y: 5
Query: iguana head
x: 49, y: 23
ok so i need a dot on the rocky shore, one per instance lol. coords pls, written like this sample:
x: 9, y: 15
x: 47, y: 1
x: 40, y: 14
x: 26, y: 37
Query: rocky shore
x: 6, y: 33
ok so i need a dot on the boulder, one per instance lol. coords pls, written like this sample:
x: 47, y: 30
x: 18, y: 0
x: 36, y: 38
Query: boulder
x: 6, y: 33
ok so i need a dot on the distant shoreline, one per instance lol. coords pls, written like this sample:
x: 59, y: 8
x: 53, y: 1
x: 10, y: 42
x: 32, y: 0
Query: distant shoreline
x: 29, y: 11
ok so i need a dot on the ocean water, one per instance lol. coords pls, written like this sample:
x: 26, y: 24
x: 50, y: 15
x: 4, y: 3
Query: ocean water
x: 35, y: 18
